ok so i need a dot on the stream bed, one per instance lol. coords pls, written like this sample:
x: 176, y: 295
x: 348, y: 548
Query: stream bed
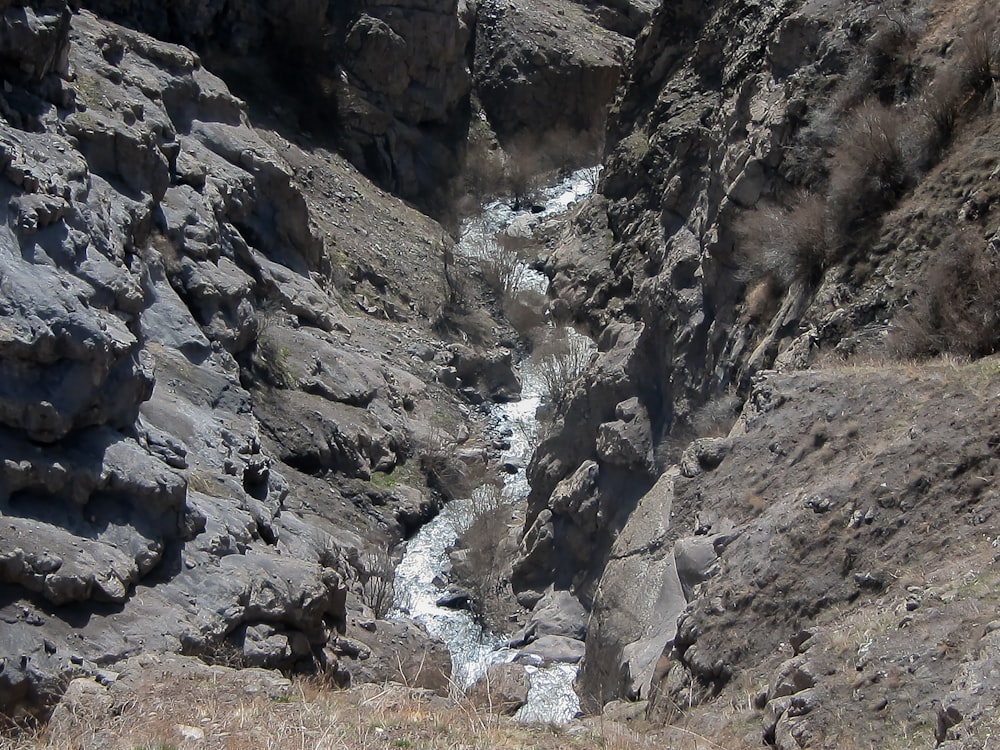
x: 419, y: 581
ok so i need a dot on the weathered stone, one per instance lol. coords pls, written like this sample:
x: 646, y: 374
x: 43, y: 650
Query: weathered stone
x: 549, y: 649
x: 503, y: 689
x: 525, y: 54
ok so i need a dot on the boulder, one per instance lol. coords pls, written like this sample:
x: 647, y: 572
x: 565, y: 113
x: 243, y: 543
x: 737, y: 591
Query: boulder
x: 634, y: 616
x: 503, y: 689
x: 551, y: 649
x: 557, y: 613
x: 544, y: 67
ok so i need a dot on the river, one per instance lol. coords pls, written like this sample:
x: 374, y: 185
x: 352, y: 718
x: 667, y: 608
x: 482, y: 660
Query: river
x: 418, y: 576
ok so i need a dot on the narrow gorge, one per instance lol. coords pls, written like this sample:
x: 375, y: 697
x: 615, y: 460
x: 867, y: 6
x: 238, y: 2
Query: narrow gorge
x: 365, y: 353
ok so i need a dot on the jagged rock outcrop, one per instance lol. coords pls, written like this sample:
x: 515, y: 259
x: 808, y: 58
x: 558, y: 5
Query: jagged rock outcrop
x: 544, y: 66
x: 743, y: 224
x: 188, y: 413
x: 391, y: 78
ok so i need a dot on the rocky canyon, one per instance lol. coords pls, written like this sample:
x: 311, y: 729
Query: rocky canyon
x: 256, y: 327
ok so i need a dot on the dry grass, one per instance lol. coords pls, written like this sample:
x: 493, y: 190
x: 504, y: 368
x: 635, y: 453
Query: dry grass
x: 211, y: 714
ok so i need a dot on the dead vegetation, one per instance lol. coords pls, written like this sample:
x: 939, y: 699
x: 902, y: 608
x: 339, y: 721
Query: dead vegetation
x: 205, y: 712
x: 895, y: 115
x: 562, y: 358
x: 487, y: 549
x: 956, y: 307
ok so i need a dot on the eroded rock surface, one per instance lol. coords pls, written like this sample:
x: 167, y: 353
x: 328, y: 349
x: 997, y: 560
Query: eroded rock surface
x: 205, y: 359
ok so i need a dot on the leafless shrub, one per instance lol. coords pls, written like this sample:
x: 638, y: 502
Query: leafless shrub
x: 525, y: 311
x: 874, y: 165
x: 484, y: 541
x: 219, y: 653
x: 500, y: 265
x: 716, y: 417
x: 446, y: 472
x: 956, y: 309
x: 979, y: 49
x: 940, y: 105
x: 522, y: 175
x: 780, y: 245
x: 562, y: 358
x: 884, y: 66
x: 378, y: 590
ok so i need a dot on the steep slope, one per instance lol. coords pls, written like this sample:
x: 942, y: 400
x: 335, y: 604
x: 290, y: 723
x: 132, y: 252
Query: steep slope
x: 787, y: 184
x: 212, y: 338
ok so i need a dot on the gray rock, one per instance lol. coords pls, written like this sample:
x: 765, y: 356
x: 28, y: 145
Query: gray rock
x: 704, y: 454
x: 634, y: 616
x: 557, y: 613
x: 549, y: 649
x: 503, y: 689
x: 524, y: 55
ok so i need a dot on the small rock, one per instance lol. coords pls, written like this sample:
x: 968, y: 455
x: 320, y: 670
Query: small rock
x: 189, y: 733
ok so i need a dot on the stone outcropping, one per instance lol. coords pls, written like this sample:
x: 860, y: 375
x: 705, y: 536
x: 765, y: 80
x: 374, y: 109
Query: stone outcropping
x: 188, y: 414
x: 544, y: 66
x: 696, y: 269
x: 391, y: 78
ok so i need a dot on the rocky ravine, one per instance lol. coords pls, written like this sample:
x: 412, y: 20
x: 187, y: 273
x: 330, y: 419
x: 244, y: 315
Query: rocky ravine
x: 226, y: 381
x: 216, y: 336
x: 787, y: 184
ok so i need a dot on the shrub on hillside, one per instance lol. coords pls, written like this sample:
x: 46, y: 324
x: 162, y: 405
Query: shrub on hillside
x: 562, y: 358
x: 873, y: 164
x: 378, y: 575
x: 979, y: 49
x: 956, y: 308
x: 784, y: 245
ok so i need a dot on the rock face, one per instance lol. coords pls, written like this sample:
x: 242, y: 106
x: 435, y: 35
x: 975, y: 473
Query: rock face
x: 544, y: 66
x: 738, y: 230
x: 393, y: 81
x: 189, y: 417
x: 392, y: 77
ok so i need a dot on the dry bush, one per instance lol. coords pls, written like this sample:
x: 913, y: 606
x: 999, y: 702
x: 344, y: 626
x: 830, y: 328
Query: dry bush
x: 309, y: 714
x: 979, y: 49
x: 886, y: 63
x: 500, y: 265
x: 940, y: 105
x: 716, y: 417
x: 525, y: 311
x: 487, y: 555
x: 781, y: 245
x: 956, y: 309
x: 562, y: 358
x: 871, y: 169
x: 378, y: 591
x: 446, y: 473
x: 522, y: 176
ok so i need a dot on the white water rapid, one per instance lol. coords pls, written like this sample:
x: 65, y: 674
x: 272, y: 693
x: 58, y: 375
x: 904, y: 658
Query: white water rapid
x: 551, y: 697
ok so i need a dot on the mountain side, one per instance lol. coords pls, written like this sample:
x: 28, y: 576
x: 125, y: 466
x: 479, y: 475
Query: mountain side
x: 787, y: 186
x: 220, y: 378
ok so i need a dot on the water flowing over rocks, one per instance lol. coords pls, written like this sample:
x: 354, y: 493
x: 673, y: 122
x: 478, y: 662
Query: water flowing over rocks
x: 234, y: 373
